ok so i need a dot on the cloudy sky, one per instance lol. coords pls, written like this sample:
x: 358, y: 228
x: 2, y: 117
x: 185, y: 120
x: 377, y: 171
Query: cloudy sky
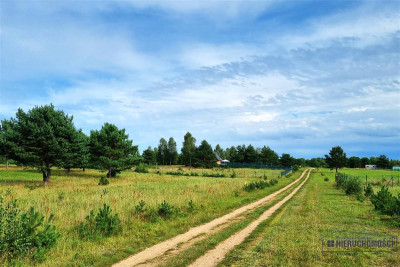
x: 298, y: 76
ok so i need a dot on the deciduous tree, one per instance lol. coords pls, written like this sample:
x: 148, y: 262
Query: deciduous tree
x: 188, y: 149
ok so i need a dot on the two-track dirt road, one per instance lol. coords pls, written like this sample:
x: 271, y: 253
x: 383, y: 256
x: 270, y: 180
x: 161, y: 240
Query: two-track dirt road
x: 214, y: 256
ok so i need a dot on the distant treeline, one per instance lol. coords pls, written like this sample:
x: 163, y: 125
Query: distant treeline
x: 44, y: 138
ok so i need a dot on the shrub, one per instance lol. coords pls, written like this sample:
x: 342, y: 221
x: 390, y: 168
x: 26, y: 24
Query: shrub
x: 175, y: 173
x: 273, y: 182
x: 341, y: 181
x: 326, y: 179
x: 165, y: 210
x: 368, y: 191
x: 360, y: 197
x: 141, y: 207
x: 353, y: 185
x: 385, y: 202
x: 25, y: 233
x: 349, y: 184
x: 142, y: 168
x: 259, y: 185
x: 101, y: 224
x: 103, y: 181
x: 191, y: 206
x: 233, y: 175
x: 214, y: 175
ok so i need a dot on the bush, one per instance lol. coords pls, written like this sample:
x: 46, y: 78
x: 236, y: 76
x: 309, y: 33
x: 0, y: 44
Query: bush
x: 233, y: 175
x: 385, y: 202
x: 191, y: 206
x: 214, y: 175
x: 326, y: 179
x: 103, y: 181
x: 259, y: 185
x: 349, y: 184
x: 142, y: 168
x: 165, y: 210
x: 368, y: 191
x: 141, y: 207
x: 360, y: 197
x: 101, y: 224
x: 25, y: 233
x: 353, y: 185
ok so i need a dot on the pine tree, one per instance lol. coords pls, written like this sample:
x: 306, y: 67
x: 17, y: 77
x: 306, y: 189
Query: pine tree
x: 336, y: 158
x: 149, y: 156
x: 205, y: 156
x: 111, y: 150
x: 41, y: 138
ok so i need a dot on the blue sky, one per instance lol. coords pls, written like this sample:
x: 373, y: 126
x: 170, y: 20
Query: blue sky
x: 298, y: 76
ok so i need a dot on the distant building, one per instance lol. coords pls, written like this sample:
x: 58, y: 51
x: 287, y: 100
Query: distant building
x: 370, y: 167
x: 396, y: 168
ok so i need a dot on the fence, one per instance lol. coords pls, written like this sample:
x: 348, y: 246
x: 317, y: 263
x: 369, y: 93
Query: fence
x: 286, y: 171
x: 388, y: 180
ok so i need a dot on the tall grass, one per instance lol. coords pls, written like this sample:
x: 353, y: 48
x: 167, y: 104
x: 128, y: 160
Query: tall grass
x: 70, y: 197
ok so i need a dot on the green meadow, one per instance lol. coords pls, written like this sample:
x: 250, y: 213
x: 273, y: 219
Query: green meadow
x: 292, y: 236
x: 71, y: 196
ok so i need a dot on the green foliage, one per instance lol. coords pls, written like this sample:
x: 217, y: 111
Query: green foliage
x: 351, y: 185
x: 214, y: 175
x: 172, y: 153
x: 191, y: 206
x: 111, y: 150
x: 149, y: 156
x: 188, y: 149
x: 26, y: 233
x: 295, y: 168
x: 165, y: 210
x: 141, y: 168
x: 286, y: 160
x: 368, y: 191
x: 41, y: 138
x: 233, y: 175
x: 162, y: 152
x: 259, y: 185
x: 268, y: 156
x: 103, y: 181
x: 385, y: 202
x: 32, y: 186
x: 360, y: 197
x: 336, y: 158
x: 140, y: 208
x: 326, y: 179
x: 204, y: 156
x: 104, y: 223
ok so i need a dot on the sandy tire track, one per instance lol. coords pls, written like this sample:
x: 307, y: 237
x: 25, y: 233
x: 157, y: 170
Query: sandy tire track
x: 173, y: 243
x: 216, y: 255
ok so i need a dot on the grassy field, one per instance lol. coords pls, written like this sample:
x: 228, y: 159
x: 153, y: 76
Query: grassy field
x: 70, y: 197
x: 292, y: 237
x: 377, y: 178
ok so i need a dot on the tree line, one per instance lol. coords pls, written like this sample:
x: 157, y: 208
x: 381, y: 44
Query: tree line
x: 44, y: 138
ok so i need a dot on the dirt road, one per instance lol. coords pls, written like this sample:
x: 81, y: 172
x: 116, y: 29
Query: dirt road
x: 216, y: 255
x: 204, y: 230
